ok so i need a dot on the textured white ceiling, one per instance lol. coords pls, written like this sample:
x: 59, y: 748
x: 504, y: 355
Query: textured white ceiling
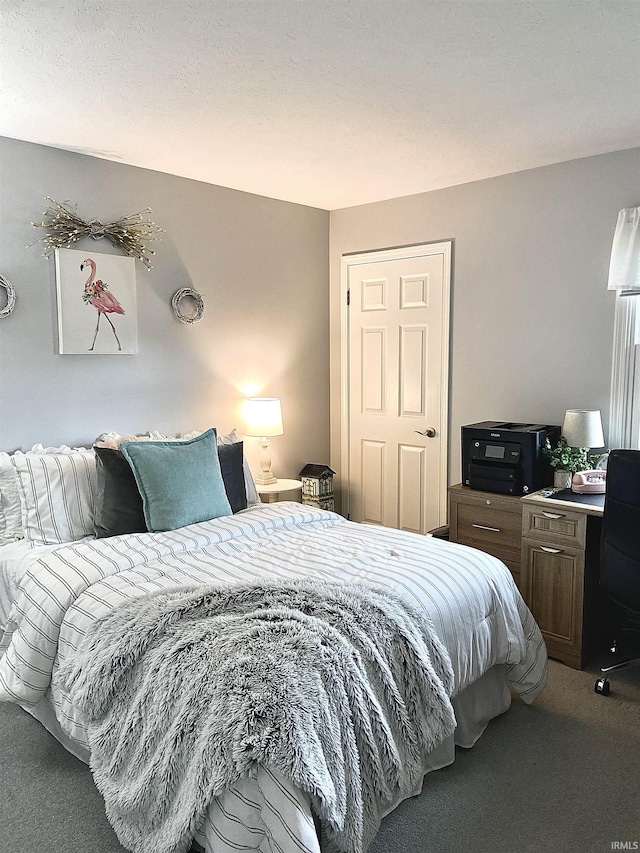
x: 330, y: 104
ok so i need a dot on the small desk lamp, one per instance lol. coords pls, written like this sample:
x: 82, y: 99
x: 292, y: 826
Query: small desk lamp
x: 583, y: 428
x: 264, y: 418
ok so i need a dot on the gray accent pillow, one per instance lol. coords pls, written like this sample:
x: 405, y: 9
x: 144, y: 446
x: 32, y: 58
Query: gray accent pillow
x: 118, y: 501
x: 231, y: 458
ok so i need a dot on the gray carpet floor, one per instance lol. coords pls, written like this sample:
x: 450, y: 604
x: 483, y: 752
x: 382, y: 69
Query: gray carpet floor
x: 561, y: 776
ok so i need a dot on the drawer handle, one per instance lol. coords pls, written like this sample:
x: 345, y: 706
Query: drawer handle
x: 554, y: 515
x: 484, y: 527
x: 551, y: 550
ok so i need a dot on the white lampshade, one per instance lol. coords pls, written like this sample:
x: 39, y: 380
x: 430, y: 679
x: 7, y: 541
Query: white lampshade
x: 264, y: 416
x: 583, y: 428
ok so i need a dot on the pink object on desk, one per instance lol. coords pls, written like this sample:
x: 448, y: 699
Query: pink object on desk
x: 589, y: 482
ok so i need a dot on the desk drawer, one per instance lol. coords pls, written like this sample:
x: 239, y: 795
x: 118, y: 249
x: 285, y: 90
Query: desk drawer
x: 559, y: 525
x: 490, y: 529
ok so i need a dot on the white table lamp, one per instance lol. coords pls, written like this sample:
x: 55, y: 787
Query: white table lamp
x: 264, y: 419
x: 583, y: 428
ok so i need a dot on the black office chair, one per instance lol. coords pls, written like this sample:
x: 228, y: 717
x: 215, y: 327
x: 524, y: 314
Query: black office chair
x: 620, y: 557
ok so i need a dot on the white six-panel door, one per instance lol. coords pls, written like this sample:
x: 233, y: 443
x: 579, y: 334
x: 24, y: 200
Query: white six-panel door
x: 397, y: 383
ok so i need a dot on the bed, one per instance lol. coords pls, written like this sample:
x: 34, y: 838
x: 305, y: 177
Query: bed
x: 52, y: 594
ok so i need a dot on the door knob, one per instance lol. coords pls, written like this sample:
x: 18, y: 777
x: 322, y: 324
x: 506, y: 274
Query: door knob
x: 430, y: 432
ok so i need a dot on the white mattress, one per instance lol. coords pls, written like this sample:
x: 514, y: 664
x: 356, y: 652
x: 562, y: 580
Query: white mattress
x: 470, y: 596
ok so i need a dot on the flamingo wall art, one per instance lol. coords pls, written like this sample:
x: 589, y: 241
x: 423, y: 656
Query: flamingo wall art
x: 96, y: 303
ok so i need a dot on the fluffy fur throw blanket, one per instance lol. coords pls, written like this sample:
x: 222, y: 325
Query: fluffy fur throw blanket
x: 341, y: 687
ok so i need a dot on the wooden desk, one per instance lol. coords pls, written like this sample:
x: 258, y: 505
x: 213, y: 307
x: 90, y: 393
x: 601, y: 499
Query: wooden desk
x: 550, y: 541
x: 559, y: 566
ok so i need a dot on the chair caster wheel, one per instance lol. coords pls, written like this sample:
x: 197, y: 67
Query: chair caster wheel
x: 602, y: 686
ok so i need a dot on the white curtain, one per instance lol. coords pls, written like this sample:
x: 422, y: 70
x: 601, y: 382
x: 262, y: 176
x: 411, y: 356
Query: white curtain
x: 624, y: 414
x: 624, y: 269
x: 624, y: 278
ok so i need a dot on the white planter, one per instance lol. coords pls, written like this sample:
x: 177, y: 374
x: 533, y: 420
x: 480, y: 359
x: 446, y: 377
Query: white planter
x: 562, y: 479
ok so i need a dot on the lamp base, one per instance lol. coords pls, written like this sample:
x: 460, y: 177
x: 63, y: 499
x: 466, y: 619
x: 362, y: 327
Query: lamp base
x: 265, y: 481
x: 265, y: 477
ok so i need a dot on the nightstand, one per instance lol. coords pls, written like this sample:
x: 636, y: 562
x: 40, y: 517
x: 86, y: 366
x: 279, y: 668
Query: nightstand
x: 281, y: 490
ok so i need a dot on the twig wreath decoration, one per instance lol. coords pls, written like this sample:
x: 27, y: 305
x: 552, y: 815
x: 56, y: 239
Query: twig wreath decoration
x: 11, y: 296
x: 129, y: 233
x: 187, y: 293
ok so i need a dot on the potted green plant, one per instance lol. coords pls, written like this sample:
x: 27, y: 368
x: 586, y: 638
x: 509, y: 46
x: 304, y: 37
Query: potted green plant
x: 567, y: 460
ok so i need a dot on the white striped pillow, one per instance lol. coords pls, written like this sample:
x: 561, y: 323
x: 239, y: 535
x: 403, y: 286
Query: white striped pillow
x: 57, y: 495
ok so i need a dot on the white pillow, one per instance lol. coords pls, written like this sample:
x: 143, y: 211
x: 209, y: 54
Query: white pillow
x: 10, y: 512
x: 253, y: 499
x: 57, y: 493
x: 113, y: 440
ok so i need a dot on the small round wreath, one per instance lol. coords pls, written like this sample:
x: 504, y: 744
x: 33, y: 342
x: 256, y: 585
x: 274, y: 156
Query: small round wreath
x: 189, y: 293
x: 11, y: 297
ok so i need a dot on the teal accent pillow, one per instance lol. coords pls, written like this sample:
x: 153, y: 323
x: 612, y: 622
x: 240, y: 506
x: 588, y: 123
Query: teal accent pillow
x: 180, y: 481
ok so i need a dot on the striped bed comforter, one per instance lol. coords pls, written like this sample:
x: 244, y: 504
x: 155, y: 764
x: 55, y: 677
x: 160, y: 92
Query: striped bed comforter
x: 470, y: 596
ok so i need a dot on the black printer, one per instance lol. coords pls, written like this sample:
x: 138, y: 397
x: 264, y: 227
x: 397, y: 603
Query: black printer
x: 507, y: 457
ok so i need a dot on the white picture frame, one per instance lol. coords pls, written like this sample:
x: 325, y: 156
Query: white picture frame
x: 96, y: 301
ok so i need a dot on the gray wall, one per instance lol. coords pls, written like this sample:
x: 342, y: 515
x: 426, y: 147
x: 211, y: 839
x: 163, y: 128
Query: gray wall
x: 531, y: 328
x: 261, y: 266
x: 531, y: 319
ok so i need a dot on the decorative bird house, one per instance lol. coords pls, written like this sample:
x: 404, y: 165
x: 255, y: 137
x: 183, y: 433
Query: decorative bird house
x: 317, y: 485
